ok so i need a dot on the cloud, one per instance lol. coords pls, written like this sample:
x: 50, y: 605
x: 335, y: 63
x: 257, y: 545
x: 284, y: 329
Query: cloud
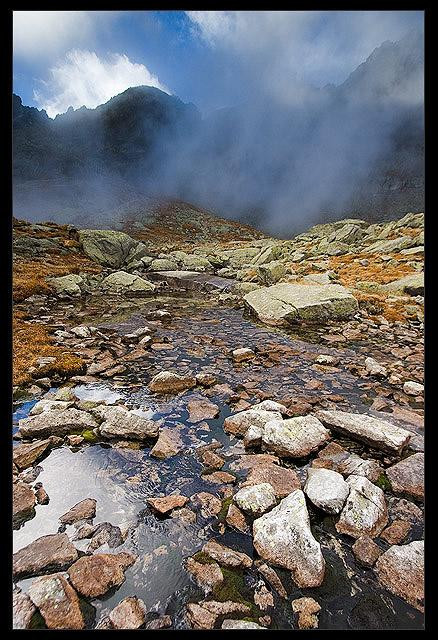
x: 83, y: 78
x: 40, y: 34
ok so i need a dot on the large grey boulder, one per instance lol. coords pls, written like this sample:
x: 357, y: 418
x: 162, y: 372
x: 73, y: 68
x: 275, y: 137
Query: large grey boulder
x: 327, y: 489
x: 283, y: 538
x: 294, y: 437
x: 110, y: 248
x: 373, y: 431
x: 58, y: 423
x: 287, y: 303
x: 121, y: 282
x: 365, y: 512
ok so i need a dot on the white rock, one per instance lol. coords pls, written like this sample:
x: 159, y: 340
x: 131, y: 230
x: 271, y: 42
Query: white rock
x: 375, y: 369
x: 239, y: 423
x: 256, y: 499
x: 365, y: 512
x: 294, y: 437
x: 283, y: 538
x: 326, y: 489
x: 412, y: 388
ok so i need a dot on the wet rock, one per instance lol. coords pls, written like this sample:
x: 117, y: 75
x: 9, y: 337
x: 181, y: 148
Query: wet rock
x: 401, y: 571
x: 201, y: 409
x: 263, y: 598
x: 307, y: 608
x: 366, y: 551
x: 93, y: 576
x: 105, y: 533
x: 200, y: 618
x: 326, y: 489
x: 226, y: 556
x: 399, y: 508
x: 413, y: 388
x: 219, y: 477
x: 236, y: 519
x: 25, y: 455
x: 206, y: 575
x: 168, y: 382
x: 57, y: 602
x: 294, y: 437
x: 375, y: 369
x: 240, y: 624
x: 46, y: 554
x: 83, y: 510
x: 123, y: 283
x: 167, y: 445
x: 256, y: 499
x: 249, y: 461
x: 241, y: 355
x: 281, y: 479
x: 121, y: 423
x: 365, y: 512
x: 58, y: 423
x: 407, y: 477
x: 206, y: 379
x: 209, y: 504
x: 396, y: 532
x: 23, y: 503
x: 128, y: 614
x: 283, y: 538
x: 373, y: 431
x: 163, y: 622
x: 239, y: 423
x: 212, y: 460
x: 23, y: 610
x: 272, y: 578
x: 282, y: 304
x: 41, y: 494
x: 164, y: 505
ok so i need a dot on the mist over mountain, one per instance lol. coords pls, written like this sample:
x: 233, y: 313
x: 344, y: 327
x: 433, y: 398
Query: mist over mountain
x: 281, y: 165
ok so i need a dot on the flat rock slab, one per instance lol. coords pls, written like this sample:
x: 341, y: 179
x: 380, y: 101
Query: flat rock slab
x: 48, y: 553
x: 401, y: 571
x: 57, y: 602
x: 281, y: 479
x: 170, y: 382
x: 326, y: 489
x: 294, y: 437
x: 24, y: 455
x: 365, y: 512
x: 23, y: 503
x: 191, y: 280
x: 93, y: 576
x: 283, y: 538
x: 166, y: 504
x: 239, y: 423
x: 130, y: 613
x: 373, y: 431
x: 58, y: 423
x: 121, y: 423
x: 84, y: 510
x: 226, y: 556
x: 407, y: 477
x: 167, y: 445
x: 283, y: 304
x: 201, y: 409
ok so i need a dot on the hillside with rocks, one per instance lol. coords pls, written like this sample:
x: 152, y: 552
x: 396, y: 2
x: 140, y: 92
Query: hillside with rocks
x: 215, y: 428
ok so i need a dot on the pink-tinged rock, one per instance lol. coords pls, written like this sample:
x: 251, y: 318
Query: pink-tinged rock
x: 401, y: 571
x: 407, y: 477
x: 57, y: 602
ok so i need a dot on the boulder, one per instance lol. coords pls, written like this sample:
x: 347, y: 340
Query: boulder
x: 326, y: 489
x: 401, y: 571
x: 130, y: 613
x: 126, y: 425
x: 46, y: 554
x: 407, y: 477
x: 412, y: 284
x: 67, y: 285
x: 295, y: 437
x: 84, y: 510
x: 365, y: 512
x: 169, y: 382
x: 283, y: 538
x: 377, y: 433
x: 58, y: 423
x: 239, y: 423
x: 93, y: 576
x: 57, y: 602
x: 256, y: 499
x: 109, y: 248
x: 123, y: 283
x: 282, y: 304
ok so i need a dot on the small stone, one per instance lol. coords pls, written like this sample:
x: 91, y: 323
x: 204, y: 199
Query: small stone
x: 407, y: 477
x: 271, y: 576
x: 23, y: 610
x: 23, y: 503
x: 375, y: 369
x: 163, y: 622
x: 239, y: 423
x: 41, y: 495
x: 263, y: 598
x: 199, y: 617
x: 365, y: 511
x: 366, y: 551
x: 240, y: 355
x: 412, y: 388
x: 307, y: 608
x: 326, y: 489
x: 256, y: 499
x: 25, y: 455
x: 226, y: 556
x: 128, y: 614
x: 169, y: 382
x: 201, y: 409
x: 164, y: 505
x: 240, y: 624
x: 236, y: 519
x: 281, y: 479
x: 396, y: 532
x: 57, y: 602
x: 402, y: 509
x: 207, y: 576
x: 219, y: 477
x: 206, y: 379
x: 212, y: 460
x: 209, y: 504
x: 167, y: 445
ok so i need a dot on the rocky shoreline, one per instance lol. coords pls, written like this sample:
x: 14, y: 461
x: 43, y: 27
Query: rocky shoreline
x: 268, y: 398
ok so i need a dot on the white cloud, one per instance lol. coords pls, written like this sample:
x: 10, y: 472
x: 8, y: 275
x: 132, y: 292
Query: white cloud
x: 39, y: 34
x: 84, y: 78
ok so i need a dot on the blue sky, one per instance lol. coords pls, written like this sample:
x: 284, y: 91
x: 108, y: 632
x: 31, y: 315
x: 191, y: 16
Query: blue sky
x: 213, y: 59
